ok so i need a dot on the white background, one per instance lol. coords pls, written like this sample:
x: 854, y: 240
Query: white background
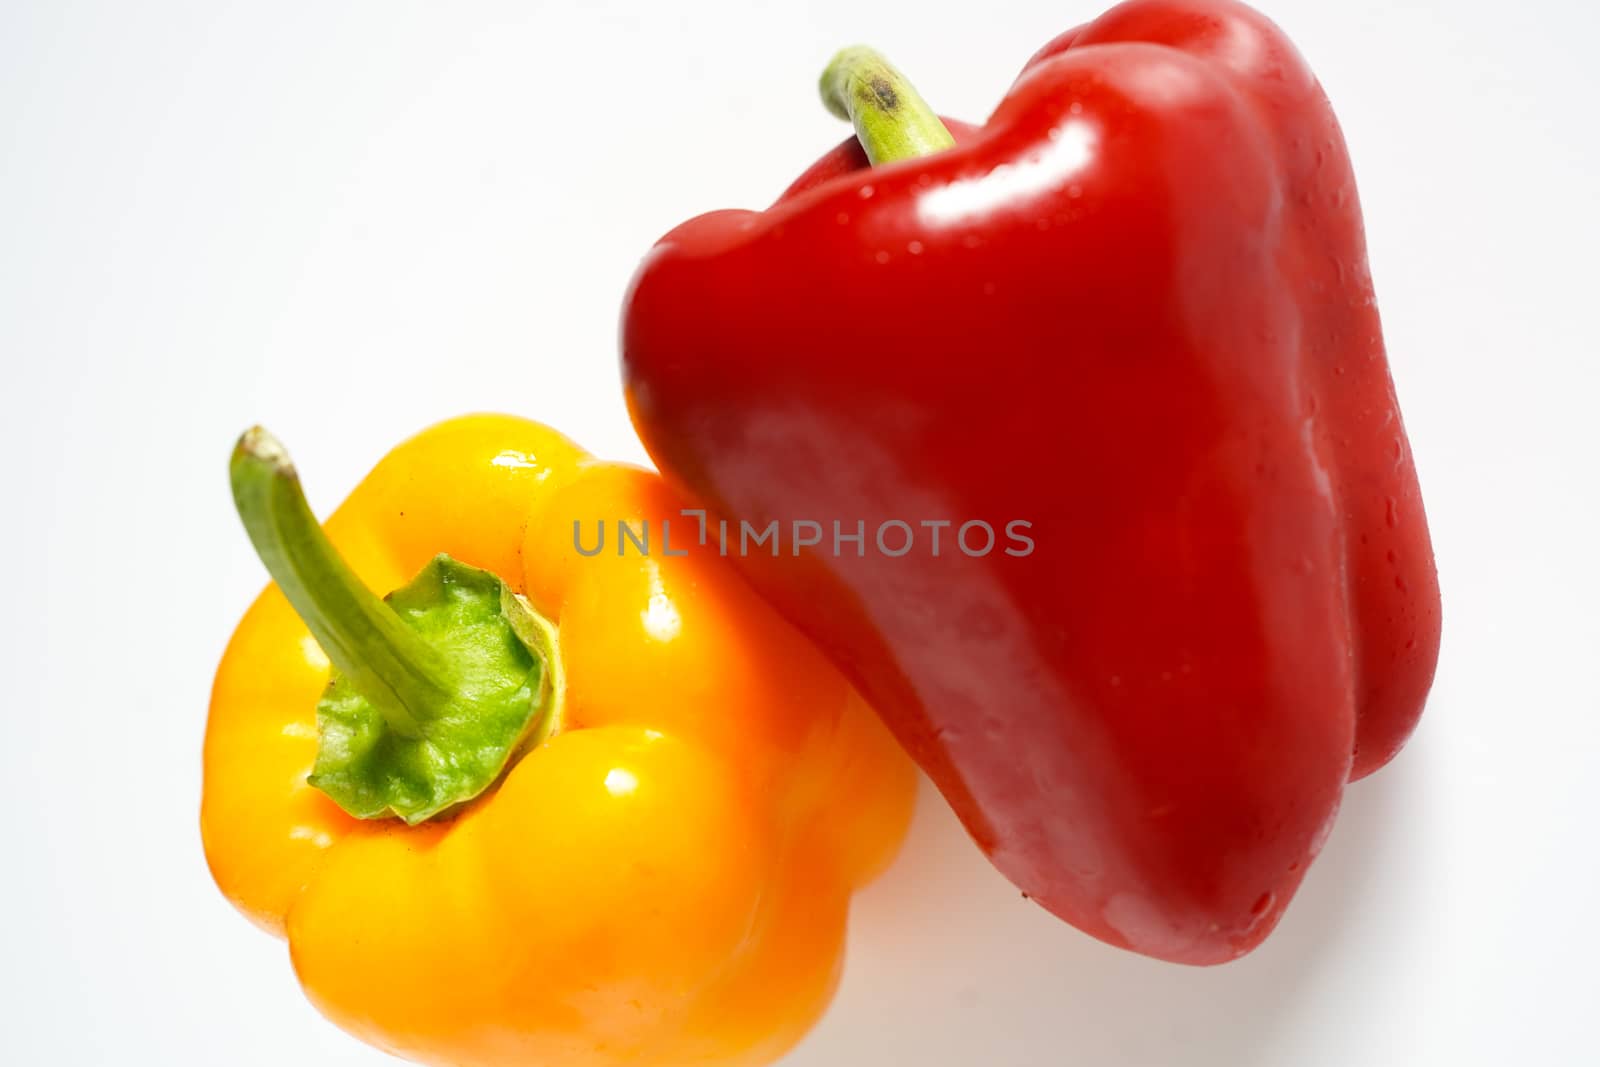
x: 348, y: 220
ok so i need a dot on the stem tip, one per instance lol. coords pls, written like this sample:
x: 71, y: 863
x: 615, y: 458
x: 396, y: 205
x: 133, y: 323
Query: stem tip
x: 259, y: 445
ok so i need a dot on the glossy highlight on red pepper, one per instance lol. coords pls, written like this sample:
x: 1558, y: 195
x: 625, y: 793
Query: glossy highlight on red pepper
x: 1134, y: 309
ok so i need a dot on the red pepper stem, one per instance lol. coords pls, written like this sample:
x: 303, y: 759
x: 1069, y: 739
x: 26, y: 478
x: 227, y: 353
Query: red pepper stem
x: 892, y: 120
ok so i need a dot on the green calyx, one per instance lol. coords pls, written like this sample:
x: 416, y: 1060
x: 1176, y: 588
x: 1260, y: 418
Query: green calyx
x: 436, y: 688
x: 892, y: 120
x: 498, y: 693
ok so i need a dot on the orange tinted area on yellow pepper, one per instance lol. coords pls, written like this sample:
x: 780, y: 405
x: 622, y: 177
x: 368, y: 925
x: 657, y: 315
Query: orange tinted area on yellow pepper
x: 662, y: 881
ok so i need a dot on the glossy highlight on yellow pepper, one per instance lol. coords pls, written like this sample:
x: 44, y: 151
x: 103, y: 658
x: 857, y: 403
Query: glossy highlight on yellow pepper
x: 664, y: 879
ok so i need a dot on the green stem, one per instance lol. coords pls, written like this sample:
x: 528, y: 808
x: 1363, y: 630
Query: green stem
x: 892, y: 120
x: 387, y: 662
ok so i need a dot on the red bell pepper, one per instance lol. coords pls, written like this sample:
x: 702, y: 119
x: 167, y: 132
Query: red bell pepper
x: 1127, y: 327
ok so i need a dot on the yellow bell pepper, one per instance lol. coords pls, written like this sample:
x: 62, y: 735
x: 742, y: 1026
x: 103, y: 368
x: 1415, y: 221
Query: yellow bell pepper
x: 653, y: 862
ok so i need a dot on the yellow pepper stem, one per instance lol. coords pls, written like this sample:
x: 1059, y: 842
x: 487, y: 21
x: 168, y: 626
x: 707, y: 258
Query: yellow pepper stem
x: 402, y: 675
x: 436, y: 688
